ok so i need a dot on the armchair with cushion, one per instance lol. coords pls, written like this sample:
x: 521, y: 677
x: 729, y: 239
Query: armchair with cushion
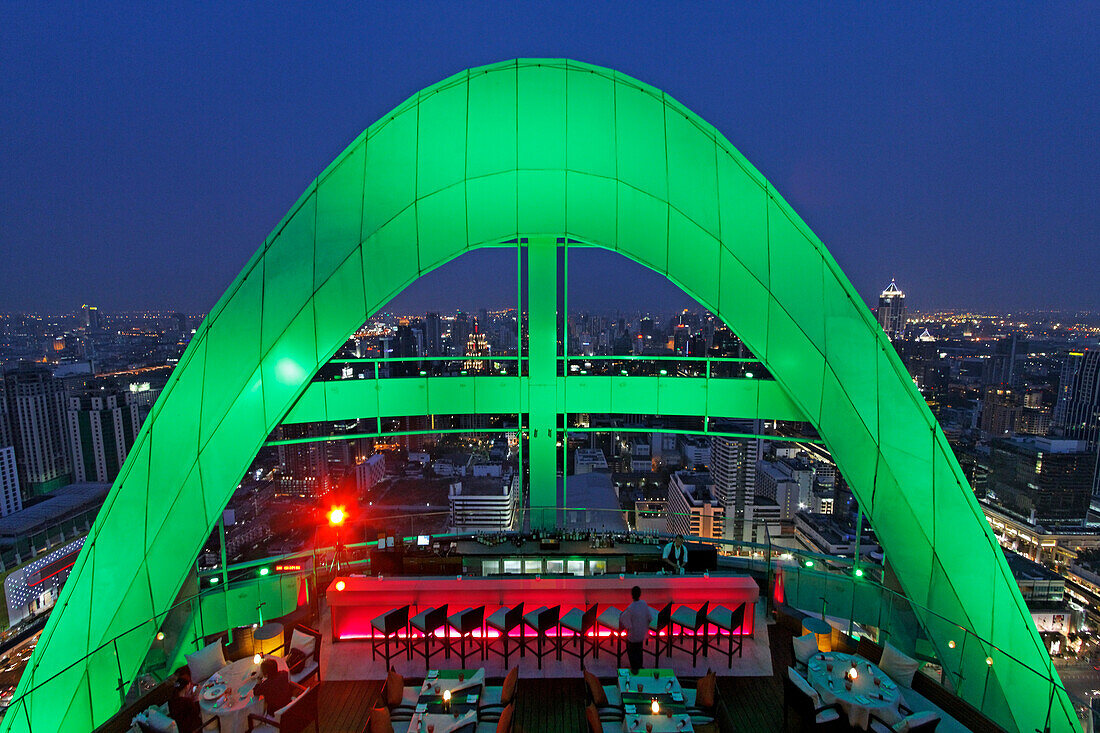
x: 495, y: 699
x: 303, y: 655
x: 605, y: 700
x: 702, y: 702
x: 294, y: 717
x: 799, y: 696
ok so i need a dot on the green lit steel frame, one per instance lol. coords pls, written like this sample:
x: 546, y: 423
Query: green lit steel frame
x: 539, y: 149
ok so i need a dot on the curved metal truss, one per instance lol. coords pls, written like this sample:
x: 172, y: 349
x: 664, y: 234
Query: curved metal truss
x: 527, y: 152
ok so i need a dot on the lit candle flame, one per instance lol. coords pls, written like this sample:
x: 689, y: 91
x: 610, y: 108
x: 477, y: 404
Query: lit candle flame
x: 655, y: 707
x: 446, y: 696
x: 256, y: 658
x: 853, y: 673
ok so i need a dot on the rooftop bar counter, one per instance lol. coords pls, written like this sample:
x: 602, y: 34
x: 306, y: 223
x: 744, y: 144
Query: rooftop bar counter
x: 354, y: 600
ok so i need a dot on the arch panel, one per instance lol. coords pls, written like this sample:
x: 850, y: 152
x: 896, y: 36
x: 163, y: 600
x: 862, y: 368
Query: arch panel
x: 528, y: 148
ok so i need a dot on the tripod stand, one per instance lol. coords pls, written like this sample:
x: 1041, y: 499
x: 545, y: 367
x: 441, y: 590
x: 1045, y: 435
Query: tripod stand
x: 339, y: 557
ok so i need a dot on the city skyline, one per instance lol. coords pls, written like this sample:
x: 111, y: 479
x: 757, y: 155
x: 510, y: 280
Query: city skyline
x: 938, y: 147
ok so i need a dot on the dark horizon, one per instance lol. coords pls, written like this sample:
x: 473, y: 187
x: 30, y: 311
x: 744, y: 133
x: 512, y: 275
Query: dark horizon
x: 149, y: 150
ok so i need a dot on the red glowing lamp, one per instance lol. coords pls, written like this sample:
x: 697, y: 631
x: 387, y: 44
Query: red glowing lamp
x: 336, y: 516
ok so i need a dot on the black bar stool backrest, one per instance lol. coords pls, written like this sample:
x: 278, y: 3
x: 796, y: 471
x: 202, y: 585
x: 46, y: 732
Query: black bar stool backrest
x: 548, y: 619
x: 701, y: 615
x: 435, y: 618
x: 513, y: 618
x: 664, y: 616
x: 737, y: 620
x: 397, y: 620
x: 473, y: 620
x: 588, y: 621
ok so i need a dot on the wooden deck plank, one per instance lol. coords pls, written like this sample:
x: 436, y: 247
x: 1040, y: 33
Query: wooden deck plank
x: 550, y: 706
x: 345, y: 706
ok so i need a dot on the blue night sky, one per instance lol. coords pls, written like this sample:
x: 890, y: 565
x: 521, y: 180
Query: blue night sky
x: 146, y: 150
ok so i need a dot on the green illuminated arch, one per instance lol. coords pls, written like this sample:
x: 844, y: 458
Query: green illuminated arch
x: 531, y: 148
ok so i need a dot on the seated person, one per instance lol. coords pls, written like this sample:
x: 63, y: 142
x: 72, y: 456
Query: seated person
x: 182, y: 705
x: 274, y: 688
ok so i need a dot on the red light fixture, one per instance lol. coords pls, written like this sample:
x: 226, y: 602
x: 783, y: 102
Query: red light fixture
x: 336, y: 516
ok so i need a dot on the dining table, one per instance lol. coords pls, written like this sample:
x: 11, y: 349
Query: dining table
x: 857, y: 685
x: 640, y: 691
x: 442, y: 713
x: 228, y: 694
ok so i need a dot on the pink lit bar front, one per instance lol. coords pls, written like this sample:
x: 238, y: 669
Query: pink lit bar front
x: 364, y: 598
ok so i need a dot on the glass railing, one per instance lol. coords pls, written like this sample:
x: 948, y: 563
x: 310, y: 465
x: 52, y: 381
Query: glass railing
x: 850, y: 593
x: 512, y: 365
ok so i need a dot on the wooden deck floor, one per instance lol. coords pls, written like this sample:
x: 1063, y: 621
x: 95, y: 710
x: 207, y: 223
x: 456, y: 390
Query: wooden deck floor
x: 756, y: 703
x: 345, y: 706
x: 550, y: 706
x: 557, y: 705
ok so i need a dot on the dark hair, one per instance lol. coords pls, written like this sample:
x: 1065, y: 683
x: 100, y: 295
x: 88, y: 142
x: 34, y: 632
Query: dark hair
x: 269, y: 667
x: 636, y: 592
x: 679, y: 537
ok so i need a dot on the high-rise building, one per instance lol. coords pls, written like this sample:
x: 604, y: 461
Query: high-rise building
x: 91, y: 317
x: 891, y: 311
x: 36, y: 414
x: 1043, y: 480
x: 733, y: 468
x: 477, y: 345
x: 1001, y: 410
x: 11, y: 500
x: 103, y: 425
x: 460, y: 332
x: 1077, y: 410
x: 433, y: 335
x: 693, y: 509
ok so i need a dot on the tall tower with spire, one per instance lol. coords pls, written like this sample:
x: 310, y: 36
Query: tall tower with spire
x: 891, y: 311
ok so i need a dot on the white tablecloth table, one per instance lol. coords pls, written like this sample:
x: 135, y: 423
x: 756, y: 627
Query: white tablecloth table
x: 471, y: 684
x: 666, y: 685
x: 239, y: 702
x: 865, y: 696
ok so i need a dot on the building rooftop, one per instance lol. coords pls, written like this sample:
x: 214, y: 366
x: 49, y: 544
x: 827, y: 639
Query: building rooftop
x: 57, y: 506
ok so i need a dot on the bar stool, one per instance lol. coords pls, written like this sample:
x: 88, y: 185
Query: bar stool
x: 428, y: 622
x: 390, y: 624
x: 542, y: 619
x: 609, y: 620
x: 581, y: 624
x: 728, y: 621
x: 662, y: 622
x: 466, y: 623
x: 505, y: 620
x: 696, y: 622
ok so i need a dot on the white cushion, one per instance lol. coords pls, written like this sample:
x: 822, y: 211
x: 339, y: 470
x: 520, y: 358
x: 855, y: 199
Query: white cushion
x: 156, y: 720
x: 804, y: 686
x: 804, y: 647
x: 303, y: 642
x: 206, y: 661
x: 827, y: 716
x: 912, y: 721
x: 897, y: 666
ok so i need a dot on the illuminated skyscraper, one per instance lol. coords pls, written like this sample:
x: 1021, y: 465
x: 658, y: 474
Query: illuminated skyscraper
x: 36, y: 414
x: 1077, y: 412
x: 102, y: 426
x: 91, y: 317
x: 733, y: 468
x: 891, y: 311
x: 477, y: 345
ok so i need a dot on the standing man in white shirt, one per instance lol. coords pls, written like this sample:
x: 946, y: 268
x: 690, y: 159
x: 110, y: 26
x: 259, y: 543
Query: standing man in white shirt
x: 675, y: 555
x: 635, y: 620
